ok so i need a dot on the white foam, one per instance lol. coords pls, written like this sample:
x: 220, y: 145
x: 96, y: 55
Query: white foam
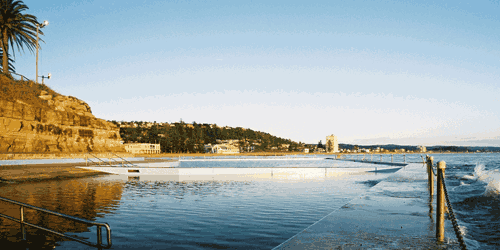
x: 468, y: 177
x: 491, y: 178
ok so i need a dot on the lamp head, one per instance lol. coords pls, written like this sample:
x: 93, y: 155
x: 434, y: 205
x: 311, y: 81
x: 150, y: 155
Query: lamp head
x: 49, y: 75
x: 45, y: 23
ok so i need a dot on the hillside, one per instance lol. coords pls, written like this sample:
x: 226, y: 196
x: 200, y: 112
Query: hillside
x: 182, y: 137
x: 36, y: 119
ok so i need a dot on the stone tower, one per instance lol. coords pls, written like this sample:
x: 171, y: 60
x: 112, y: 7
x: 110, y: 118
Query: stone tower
x: 332, y: 145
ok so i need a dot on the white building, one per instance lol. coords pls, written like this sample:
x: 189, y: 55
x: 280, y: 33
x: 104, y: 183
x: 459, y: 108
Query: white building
x: 225, y: 149
x: 332, y: 144
x: 142, y: 148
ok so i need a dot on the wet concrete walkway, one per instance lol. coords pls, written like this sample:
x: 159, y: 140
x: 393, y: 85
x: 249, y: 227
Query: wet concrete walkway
x: 394, y: 214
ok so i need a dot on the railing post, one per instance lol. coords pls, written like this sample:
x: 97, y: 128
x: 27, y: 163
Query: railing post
x: 392, y: 158
x: 404, y: 158
x: 108, y: 234
x: 380, y: 157
x: 430, y: 174
x: 440, y: 202
x: 21, y: 218
x: 99, y: 236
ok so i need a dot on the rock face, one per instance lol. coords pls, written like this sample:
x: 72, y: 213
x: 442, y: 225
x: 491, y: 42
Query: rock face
x: 65, y: 125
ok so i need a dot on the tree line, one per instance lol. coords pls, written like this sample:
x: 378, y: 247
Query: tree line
x: 191, y: 138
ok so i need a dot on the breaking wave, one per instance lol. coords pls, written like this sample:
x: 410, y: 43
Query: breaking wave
x: 490, y: 177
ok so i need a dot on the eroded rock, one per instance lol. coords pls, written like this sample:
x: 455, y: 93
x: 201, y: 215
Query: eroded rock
x: 66, y: 126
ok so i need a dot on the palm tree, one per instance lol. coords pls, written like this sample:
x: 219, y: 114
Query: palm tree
x: 16, y: 28
x: 11, y: 62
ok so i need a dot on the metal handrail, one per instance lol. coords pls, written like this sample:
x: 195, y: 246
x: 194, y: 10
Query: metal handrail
x: 93, y: 162
x: 111, y: 159
x: 130, y: 164
x: 23, y: 78
x: 23, y: 223
x: 100, y: 160
x: 118, y: 162
x: 124, y: 159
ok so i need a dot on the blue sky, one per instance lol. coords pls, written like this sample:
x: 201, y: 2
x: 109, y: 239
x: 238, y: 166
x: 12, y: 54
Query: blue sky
x: 405, y: 72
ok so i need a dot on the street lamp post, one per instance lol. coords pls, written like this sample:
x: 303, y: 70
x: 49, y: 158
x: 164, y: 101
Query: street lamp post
x: 39, y: 25
x: 48, y: 77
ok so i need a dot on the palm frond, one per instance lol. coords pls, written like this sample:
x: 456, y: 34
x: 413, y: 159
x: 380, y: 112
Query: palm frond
x: 16, y: 30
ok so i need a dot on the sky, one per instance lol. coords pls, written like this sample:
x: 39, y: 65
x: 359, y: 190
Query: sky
x: 369, y: 72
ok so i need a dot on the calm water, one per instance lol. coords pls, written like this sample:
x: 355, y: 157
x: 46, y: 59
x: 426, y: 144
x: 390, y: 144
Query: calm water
x: 257, y: 213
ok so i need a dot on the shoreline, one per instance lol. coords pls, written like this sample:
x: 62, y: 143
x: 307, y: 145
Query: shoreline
x: 11, y: 174
x: 33, y: 156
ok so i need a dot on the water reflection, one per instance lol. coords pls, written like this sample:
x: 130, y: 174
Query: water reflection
x: 83, y: 198
x: 236, y: 208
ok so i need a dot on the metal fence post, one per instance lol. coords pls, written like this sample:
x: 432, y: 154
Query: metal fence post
x: 99, y: 236
x: 440, y: 202
x: 21, y: 218
x: 392, y: 159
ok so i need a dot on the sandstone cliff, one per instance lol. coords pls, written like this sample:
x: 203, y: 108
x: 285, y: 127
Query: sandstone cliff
x: 34, y: 118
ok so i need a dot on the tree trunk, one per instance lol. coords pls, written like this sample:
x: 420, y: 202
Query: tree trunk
x: 5, y: 56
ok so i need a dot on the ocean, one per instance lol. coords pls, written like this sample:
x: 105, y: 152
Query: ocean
x: 473, y: 183
x: 254, y: 213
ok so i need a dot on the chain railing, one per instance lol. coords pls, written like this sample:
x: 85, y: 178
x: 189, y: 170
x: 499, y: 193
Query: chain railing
x: 442, y: 195
x: 451, y: 214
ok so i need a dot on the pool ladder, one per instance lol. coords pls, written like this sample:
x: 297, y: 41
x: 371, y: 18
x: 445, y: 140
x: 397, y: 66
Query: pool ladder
x: 24, y: 224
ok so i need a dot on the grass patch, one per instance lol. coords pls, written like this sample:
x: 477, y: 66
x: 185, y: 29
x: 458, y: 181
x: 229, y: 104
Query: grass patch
x: 25, y: 91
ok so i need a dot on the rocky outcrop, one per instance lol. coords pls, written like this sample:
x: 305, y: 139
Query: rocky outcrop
x: 64, y: 125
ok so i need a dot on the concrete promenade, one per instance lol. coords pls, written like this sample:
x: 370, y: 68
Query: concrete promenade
x: 51, y: 171
x: 394, y: 214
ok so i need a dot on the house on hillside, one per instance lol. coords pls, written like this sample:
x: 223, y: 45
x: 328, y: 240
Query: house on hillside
x: 319, y: 150
x: 142, y: 148
x: 208, y: 148
x: 225, y: 149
